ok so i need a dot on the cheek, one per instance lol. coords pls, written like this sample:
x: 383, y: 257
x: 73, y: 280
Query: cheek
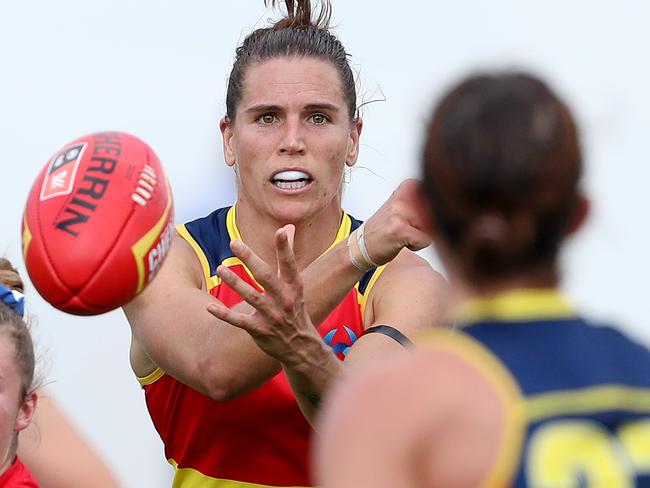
x: 336, y: 153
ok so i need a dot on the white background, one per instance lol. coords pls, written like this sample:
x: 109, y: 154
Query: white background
x: 158, y: 69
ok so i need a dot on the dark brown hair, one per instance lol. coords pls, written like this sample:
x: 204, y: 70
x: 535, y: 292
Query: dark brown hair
x: 296, y: 34
x: 501, y: 167
x: 15, y: 327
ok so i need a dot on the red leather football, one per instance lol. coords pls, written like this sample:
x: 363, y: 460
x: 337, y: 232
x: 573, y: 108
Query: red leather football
x: 98, y: 223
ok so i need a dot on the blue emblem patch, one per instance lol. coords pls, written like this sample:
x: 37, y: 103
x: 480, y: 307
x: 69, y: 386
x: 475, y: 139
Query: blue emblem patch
x: 340, y: 340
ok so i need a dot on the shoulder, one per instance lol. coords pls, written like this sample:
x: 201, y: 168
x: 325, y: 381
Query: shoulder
x: 409, y: 287
x: 432, y: 403
x: 407, y: 267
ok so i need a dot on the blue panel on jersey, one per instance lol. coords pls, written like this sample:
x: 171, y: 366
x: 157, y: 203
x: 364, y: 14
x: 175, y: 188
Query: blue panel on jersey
x: 365, y: 279
x: 211, y: 233
x: 564, y: 354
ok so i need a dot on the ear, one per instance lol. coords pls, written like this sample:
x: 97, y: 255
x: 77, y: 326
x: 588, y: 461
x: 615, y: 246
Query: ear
x: 26, y: 412
x: 227, y: 135
x: 580, y: 213
x: 353, y: 148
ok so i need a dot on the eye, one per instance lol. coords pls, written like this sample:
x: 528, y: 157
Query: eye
x: 266, y: 118
x: 319, y: 119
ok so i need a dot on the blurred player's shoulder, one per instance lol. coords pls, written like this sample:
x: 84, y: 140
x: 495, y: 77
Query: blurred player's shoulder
x: 451, y: 393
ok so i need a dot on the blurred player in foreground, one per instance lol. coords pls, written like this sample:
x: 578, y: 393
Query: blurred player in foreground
x: 526, y: 392
x: 225, y: 409
x: 50, y: 447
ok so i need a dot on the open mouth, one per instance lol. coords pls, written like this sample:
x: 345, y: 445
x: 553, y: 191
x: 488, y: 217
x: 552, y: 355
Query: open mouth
x: 291, y: 179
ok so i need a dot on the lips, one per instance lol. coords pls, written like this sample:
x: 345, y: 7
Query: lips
x: 291, y: 179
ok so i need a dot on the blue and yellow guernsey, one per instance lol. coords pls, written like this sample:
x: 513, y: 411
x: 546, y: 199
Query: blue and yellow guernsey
x: 577, y: 395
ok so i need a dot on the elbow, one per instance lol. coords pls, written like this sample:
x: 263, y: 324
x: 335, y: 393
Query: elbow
x: 221, y: 392
x: 216, y: 382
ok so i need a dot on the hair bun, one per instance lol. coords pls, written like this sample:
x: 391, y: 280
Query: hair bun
x: 299, y: 14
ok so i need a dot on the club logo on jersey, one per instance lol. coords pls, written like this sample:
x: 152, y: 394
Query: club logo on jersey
x: 340, y: 340
x: 61, y: 172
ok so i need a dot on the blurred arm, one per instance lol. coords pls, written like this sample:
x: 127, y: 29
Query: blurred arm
x: 57, y: 455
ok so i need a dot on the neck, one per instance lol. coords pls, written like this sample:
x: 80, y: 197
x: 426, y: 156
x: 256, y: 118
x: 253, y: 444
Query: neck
x: 9, y: 458
x: 463, y: 289
x: 314, y: 234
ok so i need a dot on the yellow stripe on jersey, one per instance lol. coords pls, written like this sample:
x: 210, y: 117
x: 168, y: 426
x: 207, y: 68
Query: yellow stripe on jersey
x: 231, y: 224
x: 506, y: 388
x: 363, y: 298
x: 587, y: 400
x: 520, y: 304
x: 210, y: 281
x: 234, y: 261
x: 342, y: 233
x: 151, y: 378
x: 191, y: 478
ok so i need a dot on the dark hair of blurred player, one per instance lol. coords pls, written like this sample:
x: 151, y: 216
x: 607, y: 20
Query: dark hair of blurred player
x: 526, y: 392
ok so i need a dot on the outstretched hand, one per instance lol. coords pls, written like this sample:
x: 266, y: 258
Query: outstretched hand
x: 280, y: 324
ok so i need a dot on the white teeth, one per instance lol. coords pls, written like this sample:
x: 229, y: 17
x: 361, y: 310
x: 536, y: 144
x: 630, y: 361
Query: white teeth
x: 290, y: 176
x: 290, y: 185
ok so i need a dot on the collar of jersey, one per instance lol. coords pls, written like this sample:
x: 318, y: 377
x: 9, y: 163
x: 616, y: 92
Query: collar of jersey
x: 516, y: 305
x: 342, y: 233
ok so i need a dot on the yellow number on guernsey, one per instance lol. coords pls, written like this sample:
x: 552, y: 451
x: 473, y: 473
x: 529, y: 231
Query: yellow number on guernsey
x: 577, y: 453
x: 635, y: 438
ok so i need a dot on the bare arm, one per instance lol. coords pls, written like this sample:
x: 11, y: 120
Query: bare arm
x: 172, y: 331
x: 57, y: 455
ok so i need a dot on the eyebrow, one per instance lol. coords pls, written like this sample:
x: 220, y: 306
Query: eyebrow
x: 322, y: 106
x: 262, y: 108
x: 276, y: 108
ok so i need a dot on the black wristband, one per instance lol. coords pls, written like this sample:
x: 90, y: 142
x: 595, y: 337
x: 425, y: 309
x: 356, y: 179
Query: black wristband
x: 391, y: 332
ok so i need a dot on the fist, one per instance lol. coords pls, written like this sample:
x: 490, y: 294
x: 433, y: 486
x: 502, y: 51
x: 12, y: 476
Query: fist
x: 402, y: 221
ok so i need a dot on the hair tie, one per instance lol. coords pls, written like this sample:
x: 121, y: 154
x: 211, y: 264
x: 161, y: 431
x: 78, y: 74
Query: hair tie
x: 13, y: 299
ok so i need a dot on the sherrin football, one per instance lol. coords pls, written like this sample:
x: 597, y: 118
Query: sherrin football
x: 98, y: 223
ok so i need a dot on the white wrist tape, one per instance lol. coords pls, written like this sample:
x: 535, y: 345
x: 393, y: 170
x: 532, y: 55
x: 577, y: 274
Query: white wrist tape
x: 363, y: 267
x: 361, y: 242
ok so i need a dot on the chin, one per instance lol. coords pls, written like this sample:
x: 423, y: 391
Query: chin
x: 296, y: 212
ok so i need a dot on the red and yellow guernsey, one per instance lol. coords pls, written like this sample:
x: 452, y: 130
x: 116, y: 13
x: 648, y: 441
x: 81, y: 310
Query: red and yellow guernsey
x: 259, y: 439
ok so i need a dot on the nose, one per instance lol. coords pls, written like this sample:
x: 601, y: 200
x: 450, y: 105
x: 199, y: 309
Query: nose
x: 293, y: 141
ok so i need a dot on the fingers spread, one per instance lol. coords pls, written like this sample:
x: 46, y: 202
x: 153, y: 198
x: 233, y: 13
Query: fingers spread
x: 261, y: 271
x: 243, y: 289
x: 291, y: 233
x: 287, y: 267
x: 240, y: 320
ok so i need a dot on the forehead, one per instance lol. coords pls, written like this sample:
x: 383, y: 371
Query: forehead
x: 288, y: 81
